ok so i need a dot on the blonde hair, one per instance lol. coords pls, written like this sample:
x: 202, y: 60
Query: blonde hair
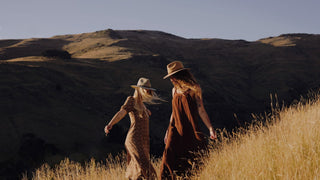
x: 146, y: 97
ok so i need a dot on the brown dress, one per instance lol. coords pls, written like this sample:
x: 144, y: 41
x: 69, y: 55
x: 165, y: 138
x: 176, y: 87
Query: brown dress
x: 137, y: 143
x: 184, y: 137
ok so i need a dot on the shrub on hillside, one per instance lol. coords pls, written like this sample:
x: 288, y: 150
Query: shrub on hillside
x: 56, y: 53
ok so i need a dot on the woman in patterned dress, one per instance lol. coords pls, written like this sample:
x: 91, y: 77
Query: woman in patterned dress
x: 137, y: 141
x: 183, y: 138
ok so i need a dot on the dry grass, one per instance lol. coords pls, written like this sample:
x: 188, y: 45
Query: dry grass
x: 113, y: 169
x: 29, y: 59
x: 97, y: 48
x: 280, y: 41
x: 287, y: 147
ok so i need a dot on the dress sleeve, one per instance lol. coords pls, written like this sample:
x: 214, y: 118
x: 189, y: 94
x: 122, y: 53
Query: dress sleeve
x: 129, y: 104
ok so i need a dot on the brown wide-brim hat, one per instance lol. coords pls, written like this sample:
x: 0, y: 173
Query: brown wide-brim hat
x: 174, y: 67
x: 143, y: 83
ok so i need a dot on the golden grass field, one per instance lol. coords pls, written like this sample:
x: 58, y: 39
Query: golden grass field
x: 285, y: 147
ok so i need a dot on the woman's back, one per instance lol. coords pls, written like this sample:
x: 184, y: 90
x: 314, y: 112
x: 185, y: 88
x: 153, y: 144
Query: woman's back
x: 185, y: 114
x: 184, y: 136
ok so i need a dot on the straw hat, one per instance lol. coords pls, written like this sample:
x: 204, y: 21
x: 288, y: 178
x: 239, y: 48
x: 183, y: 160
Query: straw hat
x: 174, y: 67
x: 143, y: 83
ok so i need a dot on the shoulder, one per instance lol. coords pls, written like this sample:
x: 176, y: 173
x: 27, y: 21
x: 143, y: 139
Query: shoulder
x: 128, y: 104
x: 130, y: 99
x: 173, y: 91
x: 197, y: 88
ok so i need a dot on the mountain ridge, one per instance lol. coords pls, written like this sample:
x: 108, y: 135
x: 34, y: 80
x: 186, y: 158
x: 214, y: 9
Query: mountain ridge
x: 59, y: 106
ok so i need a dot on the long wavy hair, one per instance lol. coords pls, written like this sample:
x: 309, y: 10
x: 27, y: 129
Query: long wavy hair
x: 147, y: 96
x: 184, y: 79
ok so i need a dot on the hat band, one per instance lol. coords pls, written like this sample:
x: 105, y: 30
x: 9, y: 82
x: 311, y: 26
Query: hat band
x: 174, y: 72
x: 144, y: 87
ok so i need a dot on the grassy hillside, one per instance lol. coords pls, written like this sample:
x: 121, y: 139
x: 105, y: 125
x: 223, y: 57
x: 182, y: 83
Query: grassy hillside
x: 58, y: 107
x: 286, y: 147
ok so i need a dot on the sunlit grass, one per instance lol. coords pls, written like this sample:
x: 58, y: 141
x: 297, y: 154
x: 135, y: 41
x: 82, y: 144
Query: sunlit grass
x: 286, y: 146
x: 113, y: 169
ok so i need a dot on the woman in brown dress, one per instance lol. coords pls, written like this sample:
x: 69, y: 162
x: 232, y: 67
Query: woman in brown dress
x: 137, y: 142
x: 183, y: 138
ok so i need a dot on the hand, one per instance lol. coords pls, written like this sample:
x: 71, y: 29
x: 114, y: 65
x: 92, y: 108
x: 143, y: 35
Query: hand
x: 213, y: 134
x: 107, y: 129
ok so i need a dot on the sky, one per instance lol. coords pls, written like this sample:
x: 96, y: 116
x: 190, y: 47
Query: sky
x: 226, y: 19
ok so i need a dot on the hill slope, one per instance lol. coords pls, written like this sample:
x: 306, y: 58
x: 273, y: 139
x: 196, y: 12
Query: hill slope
x: 58, y: 107
x: 287, y: 147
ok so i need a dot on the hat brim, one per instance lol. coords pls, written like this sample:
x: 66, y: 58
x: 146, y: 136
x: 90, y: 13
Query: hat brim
x: 174, y: 72
x: 135, y: 86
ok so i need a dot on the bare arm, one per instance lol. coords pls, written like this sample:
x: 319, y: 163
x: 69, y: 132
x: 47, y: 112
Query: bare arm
x: 116, y: 118
x: 203, y: 114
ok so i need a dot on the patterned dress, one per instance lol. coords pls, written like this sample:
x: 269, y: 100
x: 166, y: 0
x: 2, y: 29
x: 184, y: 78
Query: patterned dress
x: 185, y: 140
x: 137, y: 143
